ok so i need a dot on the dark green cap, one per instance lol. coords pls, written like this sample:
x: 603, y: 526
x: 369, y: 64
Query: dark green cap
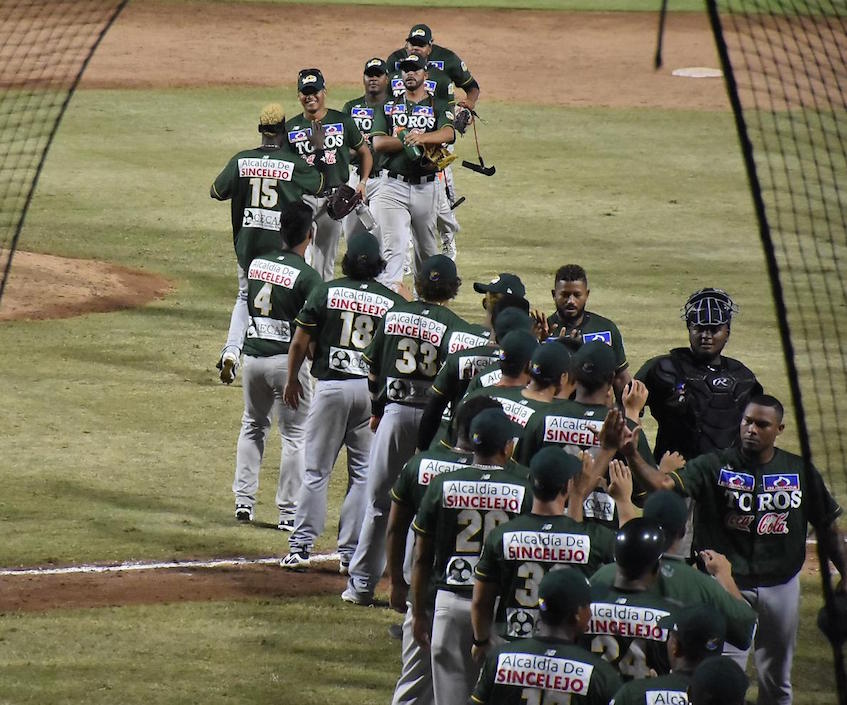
x: 310, y: 81
x: 700, y: 629
x: 550, y: 361
x: 553, y: 467
x: 439, y: 268
x: 490, y: 431
x: 669, y: 510
x: 718, y: 681
x: 364, y: 248
x: 412, y: 62
x: 375, y: 67
x: 510, y: 319
x: 595, y: 360
x: 518, y: 346
x: 420, y: 34
x: 561, y: 593
x: 503, y: 283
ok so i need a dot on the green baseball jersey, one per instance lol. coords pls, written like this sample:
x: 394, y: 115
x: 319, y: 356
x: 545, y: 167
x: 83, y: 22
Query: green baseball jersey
x: 362, y: 111
x: 680, y: 581
x: 756, y: 515
x: 440, y: 59
x: 576, y: 427
x: 341, y: 317
x: 259, y: 183
x: 624, y: 629
x: 592, y: 327
x: 340, y: 136
x: 278, y: 285
x: 542, y: 671
x: 459, y: 510
x: 488, y: 376
x: 429, y: 115
x: 408, y: 349
x: 671, y: 689
x: 518, y: 554
x: 437, y: 84
x: 460, y: 367
x: 516, y: 406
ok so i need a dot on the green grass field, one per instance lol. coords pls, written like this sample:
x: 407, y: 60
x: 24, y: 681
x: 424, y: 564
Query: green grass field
x: 119, y: 441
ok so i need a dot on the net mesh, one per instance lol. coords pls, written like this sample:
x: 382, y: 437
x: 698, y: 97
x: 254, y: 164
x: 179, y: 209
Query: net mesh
x: 44, y: 48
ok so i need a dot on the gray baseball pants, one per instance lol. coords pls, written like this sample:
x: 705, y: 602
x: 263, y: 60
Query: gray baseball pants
x: 339, y: 414
x: 351, y: 223
x: 454, y: 672
x: 446, y: 222
x: 239, y: 319
x: 405, y: 211
x: 392, y: 446
x: 414, y: 686
x: 263, y: 379
x: 778, y: 608
x: 325, y: 241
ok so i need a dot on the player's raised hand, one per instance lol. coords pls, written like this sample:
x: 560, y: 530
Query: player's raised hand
x: 539, y: 324
x: 671, y: 462
x: 613, y: 431
x: 634, y: 398
x: 620, y: 481
x: 716, y: 564
x: 292, y: 394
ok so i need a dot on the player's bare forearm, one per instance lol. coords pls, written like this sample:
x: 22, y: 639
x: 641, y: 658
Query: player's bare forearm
x: 385, y: 144
x: 399, y: 520
x: 422, y: 572
x: 482, y: 610
x: 366, y: 162
x: 718, y: 566
x: 650, y: 476
x: 445, y: 134
x: 833, y: 543
x: 471, y: 98
x: 622, y: 378
x: 297, y: 352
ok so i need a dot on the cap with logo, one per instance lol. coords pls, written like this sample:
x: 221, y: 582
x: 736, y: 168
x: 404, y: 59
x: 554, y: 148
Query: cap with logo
x: 490, y: 430
x: 517, y: 347
x: 420, y: 34
x: 363, y: 247
x: 595, y: 360
x: 413, y: 62
x: 709, y: 307
x: 550, y: 361
x: 669, y: 510
x: 509, y: 319
x: 375, y: 67
x: 439, y: 268
x: 503, y: 283
x: 310, y: 81
x: 561, y: 593
x: 553, y: 467
x: 700, y: 629
x: 718, y: 681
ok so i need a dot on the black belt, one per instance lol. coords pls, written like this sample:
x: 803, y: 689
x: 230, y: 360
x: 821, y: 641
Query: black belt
x: 411, y: 179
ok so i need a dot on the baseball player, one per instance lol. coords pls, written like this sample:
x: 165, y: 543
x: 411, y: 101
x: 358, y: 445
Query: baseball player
x: 696, y: 394
x: 404, y: 356
x: 278, y: 284
x: 456, y: 514
x: 362, y: 109
x: 511, y: 370
x: 625, y: 616
x: 753, y: 504
x: 407, y: 201
x: 680, y: 581
x: 340, y: 317
x: 570, y: 294
x: 718, y: 681
x: 517, y: 555
x: 258, y: 183
x: 551, y: 667
x: 696, y: 633
x: 324, y: 137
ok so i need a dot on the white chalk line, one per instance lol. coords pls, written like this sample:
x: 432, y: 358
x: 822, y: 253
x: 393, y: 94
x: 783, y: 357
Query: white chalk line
x: 159, y: 565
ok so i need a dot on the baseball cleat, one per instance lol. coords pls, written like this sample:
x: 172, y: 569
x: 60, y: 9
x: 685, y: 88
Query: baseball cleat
x: 286, y: 524
x: 296, y: 560
x: 243, y: 512
x: 229, y: 368
x: 448, y: 246
x: 357, y: 598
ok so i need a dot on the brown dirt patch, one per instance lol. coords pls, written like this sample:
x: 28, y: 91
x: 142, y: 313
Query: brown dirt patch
x: 553, y: 58
x: 76, y: 286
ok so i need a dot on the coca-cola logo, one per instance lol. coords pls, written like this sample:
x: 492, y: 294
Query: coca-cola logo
x: 739, y: 522
x: 773, y: 523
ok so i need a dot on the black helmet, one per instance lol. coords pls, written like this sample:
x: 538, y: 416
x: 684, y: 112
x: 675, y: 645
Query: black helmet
x: 709, y: 307
x: 638, y: 545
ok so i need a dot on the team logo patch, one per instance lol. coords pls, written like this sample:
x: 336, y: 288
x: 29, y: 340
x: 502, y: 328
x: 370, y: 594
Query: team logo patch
x: 520, y: 623
x: 422, y: 110
x: 785, y: 481
x: 299, y: 135
x: 397, y: 86
x: 736, y: 480
x: 460, y: 569
x: 604, y: 336
x: 436, y: 64
x: 396, y: 109
x: 361, y: 112
x: 430, y: 85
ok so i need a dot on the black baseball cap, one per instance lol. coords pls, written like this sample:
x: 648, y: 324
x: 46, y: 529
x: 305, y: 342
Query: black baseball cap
x: 439, y: 268
x: 669, y: 510
x: 518, y: 346
x: 420, y: 34
x: 561, y: 593
x: 413, y: 62
x: 700, y: 629
x: 718, y: 681
x: 363, y: 247
x: 553, y: 467
x: 509, y: 319
x: 310, y: 81
x: 375, y: 67
x: 550, y: 361
x: 490, y: 431
x: 595, y: 360
x: 503, y: 283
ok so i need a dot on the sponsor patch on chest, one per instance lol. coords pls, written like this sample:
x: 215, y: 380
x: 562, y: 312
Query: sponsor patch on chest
x: 736, y: 480
x: 543, y: 672
x: 781, y: 482
x: 604, y: 336
x: 361, y: 112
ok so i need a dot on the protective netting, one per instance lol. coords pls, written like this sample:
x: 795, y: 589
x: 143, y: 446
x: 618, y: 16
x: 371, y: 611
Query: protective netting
x: 45, y: 46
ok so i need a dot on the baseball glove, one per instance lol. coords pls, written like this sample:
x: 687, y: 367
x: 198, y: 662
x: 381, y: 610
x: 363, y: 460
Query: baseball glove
x: 462, y: 119
x: 343, y: 200
x: 436, y: 156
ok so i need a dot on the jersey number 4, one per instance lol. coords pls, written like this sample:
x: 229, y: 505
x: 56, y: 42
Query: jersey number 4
x: 262, y: 301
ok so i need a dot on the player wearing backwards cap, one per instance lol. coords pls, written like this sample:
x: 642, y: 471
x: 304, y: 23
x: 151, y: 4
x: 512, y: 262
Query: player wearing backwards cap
x: 518, y: 554
x: 550, y: 667
x: 682, y: 582
x: 624, y: 625
x: 696, y: 633
x: 407, y: 201
x: 456, y: 514
x: 258, y: 183
x: 575, y: 424
x: 415, y: 682
x: 362, y: 109
x: 340, y: 318
x: 278, y: 284
x: 696, y: 394
x: 753, y: 504
x: 718, y: 681
x: 404, y: 356
x: 324, y: 138
x: 570, y: 294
